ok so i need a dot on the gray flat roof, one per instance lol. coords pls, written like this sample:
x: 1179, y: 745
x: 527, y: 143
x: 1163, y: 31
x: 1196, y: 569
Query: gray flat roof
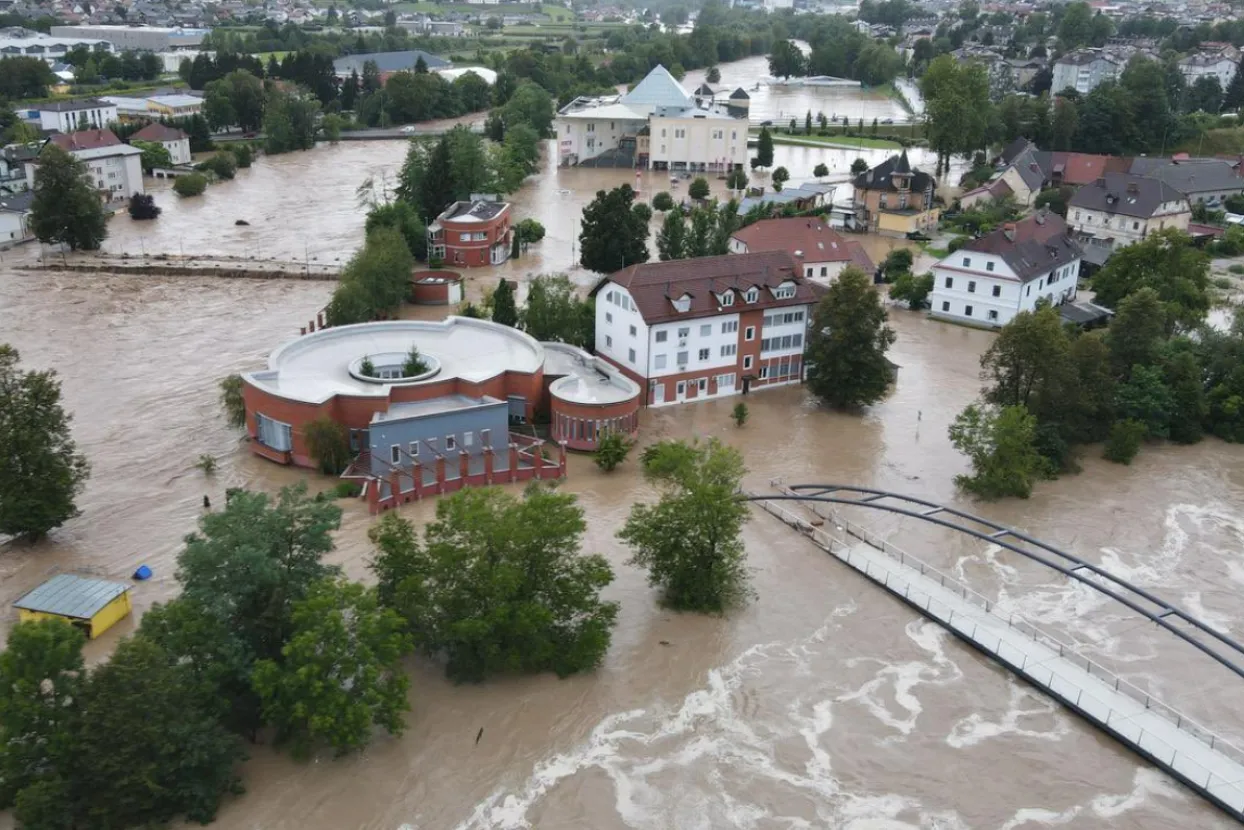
x: 433, y: 406
x: 586, y: 379
x: 67, y: 595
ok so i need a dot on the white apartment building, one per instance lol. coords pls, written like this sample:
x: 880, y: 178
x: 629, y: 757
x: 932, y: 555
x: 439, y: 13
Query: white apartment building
x: 1121, y: 208
x: 991, y: 279
x: 1084, y: 69
x: 68, y: 116
x: 704, y: 328
x: 172, y: 139
x: 18, y: 43
x: 114, y: 168
x: 657, y: 125
x: 1220, y: 64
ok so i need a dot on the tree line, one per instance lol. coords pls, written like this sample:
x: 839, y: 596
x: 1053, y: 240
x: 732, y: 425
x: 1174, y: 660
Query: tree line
x: 1158, y: 372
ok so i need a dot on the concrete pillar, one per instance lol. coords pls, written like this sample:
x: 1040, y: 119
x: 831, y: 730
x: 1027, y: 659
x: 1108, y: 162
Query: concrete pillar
x: 416, y: 475
x: 513, y: 462
x: 488, y: 463
x: 320, y: 318
x: 302, y: 330
x: 440, y: 474
x: 373, y: 496
x: 561, y: 445
x: 395, y: 486
x: 464, y: 465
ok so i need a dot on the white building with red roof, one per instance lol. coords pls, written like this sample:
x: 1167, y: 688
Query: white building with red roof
x: 821, y: 252
x: 115, y: 168
x: 170, y: 138
x: 690, y: 329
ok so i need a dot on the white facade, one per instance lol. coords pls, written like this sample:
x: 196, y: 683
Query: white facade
x: 117, y: 170
x: 1083, y: 74
x: 586, y: 135
x: 178, y: 150
x: 981, y: 289
x: 822, y: 272
x: 1125, y: 230
x: 14, y: 227
x: 96, y: 114
x: 1195, y: 67
x: 694, y: 143
x: 49, y: 49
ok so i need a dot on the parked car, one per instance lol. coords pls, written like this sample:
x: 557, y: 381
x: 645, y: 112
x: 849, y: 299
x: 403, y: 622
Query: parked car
x: 887, y: 121
x: 409, y: 128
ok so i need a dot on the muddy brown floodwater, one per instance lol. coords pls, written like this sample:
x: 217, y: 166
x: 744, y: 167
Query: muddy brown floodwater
x: 822, y: 704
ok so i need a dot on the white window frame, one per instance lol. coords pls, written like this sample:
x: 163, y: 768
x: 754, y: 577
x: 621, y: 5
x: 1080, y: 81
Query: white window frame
x: 451, y: 443
x: 395, y: 454
x: 749, y: 334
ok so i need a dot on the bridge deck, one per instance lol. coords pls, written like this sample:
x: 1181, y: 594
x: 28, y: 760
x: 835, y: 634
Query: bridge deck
x: 1163, y: 736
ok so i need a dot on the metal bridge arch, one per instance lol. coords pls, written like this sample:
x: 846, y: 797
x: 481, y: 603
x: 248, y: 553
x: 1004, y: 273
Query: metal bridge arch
x: 1222, y: 649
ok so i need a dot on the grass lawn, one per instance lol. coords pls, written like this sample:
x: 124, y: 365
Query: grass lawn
x: 839, y: 141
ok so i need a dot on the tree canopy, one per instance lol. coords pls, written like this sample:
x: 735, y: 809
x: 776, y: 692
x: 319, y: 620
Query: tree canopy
x: 612, y: 235
x: 847, y: 342
x: 66, y: 208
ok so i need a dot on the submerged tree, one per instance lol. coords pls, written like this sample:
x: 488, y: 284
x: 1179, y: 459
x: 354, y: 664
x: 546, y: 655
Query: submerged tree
x: 1001, y: 444
x: 690, y: 541
x: 231, y: 400
x: 66, y: 207
x: 847, y: 343
x: 613, y: 236
x: 499, y: 584
x: 41, y: 470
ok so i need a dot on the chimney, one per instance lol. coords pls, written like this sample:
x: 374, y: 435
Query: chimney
x: 1132, y: 187
x: 1008, y: 230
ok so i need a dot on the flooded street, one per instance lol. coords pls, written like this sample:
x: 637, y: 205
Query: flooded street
x: 823, y: 704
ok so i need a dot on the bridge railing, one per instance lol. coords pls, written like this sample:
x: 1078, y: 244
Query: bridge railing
x: 1015, y: 621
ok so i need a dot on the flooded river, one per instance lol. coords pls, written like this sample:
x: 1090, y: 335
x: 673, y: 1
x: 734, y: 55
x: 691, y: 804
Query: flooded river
x: 822, y: 704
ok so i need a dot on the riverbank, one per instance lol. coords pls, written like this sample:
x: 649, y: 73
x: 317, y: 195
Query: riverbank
x: 844, y: 143
x: 166, y: 265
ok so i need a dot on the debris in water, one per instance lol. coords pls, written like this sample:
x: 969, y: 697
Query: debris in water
x: 479, y: 735
x: 241, y: 222
x: 142, y: 573
x: 665, y: 642
x: 207, y: 503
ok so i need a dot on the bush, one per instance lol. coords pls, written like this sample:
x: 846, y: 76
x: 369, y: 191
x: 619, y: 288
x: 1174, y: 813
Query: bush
x: 739, y: 414
x: 1124, y: 441
x: 367, y: 369
x: 1236, y: 269
x: 206, y: 463
x: 345, y: 490
x: 143, y: 206
x: 530, y: 231
x: 328, y: 443
x: 699, y: 189
x: 221, y: 165
x: 957, y: 243
x: 663, y: 201
x: 242, y: 153
x: 611, y: 450
x: 191, y: 184
x: 642, y: 211
x: 1224, y: 283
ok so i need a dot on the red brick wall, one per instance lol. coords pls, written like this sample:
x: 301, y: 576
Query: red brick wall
x: 625, y: 414
x: 474, y: 254
x: 436, y: 293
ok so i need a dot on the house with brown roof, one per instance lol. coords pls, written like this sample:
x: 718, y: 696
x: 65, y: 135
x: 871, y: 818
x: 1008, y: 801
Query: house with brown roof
x: 991, y: 279
x: 170, y: 138
x: 690, y: 329
x: 820, y: 251
x: 895, y: 199
x: 1122, y: 208
x: 115, y: 168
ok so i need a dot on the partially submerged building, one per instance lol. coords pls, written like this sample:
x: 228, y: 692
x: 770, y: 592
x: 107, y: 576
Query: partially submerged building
x: 92, y: 605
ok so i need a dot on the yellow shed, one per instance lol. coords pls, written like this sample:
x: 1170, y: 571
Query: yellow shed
x: 91, y: 604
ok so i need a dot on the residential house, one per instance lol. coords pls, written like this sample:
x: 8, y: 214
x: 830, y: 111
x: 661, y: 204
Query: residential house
x: 115, y: 168
x: 690, y: 329
x: 1085, y: 69
x: 991, y: 279
x: 1122, y: 208
x: 1019, y: 178
x: 67, y: 116
x: 1200, y: 180
x: 821, y: 252
x: 657, y: 125
x: 895, y: 199
x: 172, y: 139
x: 175, y: 105
x: 15, y: 218
x: 14, y: 175
x: 472, y: 233
x: 1217, y: 61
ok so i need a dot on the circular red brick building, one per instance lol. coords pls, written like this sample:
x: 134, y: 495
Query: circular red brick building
x: 588, y: 397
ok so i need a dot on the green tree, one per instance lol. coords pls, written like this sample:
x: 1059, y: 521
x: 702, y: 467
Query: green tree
x: 277, y: 543
x: 1167, y: 262
x: 340, y: 675
x: 780, y: 177
x: 713, y: 76
x: 231, y: 400
x: 328, y: 443
x: 764, y: 150
x: 237, y: 98
x: 154, y: 155
x: 612, y: 235
x: 643, y: 212
x: 176, y: 759
x: 1137, y: 331
x: 957, y: 107
x: 530, y: 231
x: 911, y: 289
x: 375, y: 281
x: 290, y: 121
x: 672, y: 238
x: 739, y: 414
x: 405, y: 219
x: 41, y: 677
x: 786, y: 59
x: 1205, y: 95
x: 1001, y: 445
x: 554, y: 312
x: 1075, y: 30
x: 698, y: 189
x: 190, y: 184
x: 896, y: 262
x: 612, y: 448
x: 820, y: 171
x: 1233, y: 97
x: 663, y: 201
x: 221, y: 165
x: 504, y: 307
x: 1124, y: 441
x: 859, y: 166
x: 847, y: 343
x: 1146, y: 398
x: 1184, y: 377
x: 532, y: 105
x: 736, y: 179
x: 499, y: 584
x: 66, y: 208
x: 332, y: 125
x: 1066, y: 123
x: 41, y: 470
x: 690, y: 541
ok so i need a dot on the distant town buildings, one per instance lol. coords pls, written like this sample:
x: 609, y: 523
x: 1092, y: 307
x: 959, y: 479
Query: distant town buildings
x: 991, y: 279
x: 658, y: 125
x: 690, y: 329
x: 174, y: 105
x: 17, y: 43
x: 138, y: 38
x: 472, y: 234
x: 388, y: 63
x: 1085, y: 69
x: 1213, y: 60
x: 895, y: 199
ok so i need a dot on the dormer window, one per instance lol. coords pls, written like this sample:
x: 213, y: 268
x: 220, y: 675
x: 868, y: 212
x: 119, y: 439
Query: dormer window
x: 727, y: 298
x: 752, y: 295
x: 784, y: 291
x: 682, y: 304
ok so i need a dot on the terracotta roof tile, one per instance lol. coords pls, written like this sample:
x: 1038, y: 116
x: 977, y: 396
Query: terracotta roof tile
x: 86, y: 140
x: 156, y: 131
x: 807, y: 239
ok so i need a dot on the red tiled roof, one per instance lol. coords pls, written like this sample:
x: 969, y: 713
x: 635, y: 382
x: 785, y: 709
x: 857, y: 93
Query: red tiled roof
x: 860, y: 257
x: 86, y: 140
x: 156, y: 131
x: 656, y: 285
x: 809, y: 240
